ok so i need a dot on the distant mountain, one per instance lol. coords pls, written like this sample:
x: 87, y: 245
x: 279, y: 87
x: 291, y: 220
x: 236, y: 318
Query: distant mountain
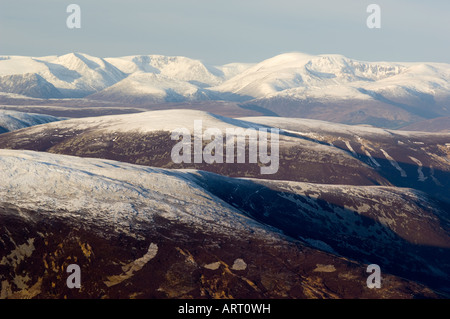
x: 336, y: 88
x: 326, y: 87
x: 440, y: 124
x: 12, y: 121
x: 78, y: 75
x: 156, y: 79
x: 141, y: 88
x: 74, y: 75
x: 177, y: 68
x: 29, y: 84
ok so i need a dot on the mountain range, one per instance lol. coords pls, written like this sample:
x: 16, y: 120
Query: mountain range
x: 325, y: 87
x: 87, y: 177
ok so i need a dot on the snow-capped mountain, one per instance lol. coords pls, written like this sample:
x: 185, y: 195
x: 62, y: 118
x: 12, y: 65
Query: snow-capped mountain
x: 327, y: 87
x: 156, y: 79
x: 177, y: 68
x: 73, y: 74
x: 78, y: 75
x: 123, y: 196
x: 140, y: 87
x: 12, y: 121
x: 301, y: 76
x: 30, y: 85
x: 333, y: 87
x: 298, y: 70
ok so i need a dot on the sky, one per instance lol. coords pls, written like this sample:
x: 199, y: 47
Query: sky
x: 219, y: 32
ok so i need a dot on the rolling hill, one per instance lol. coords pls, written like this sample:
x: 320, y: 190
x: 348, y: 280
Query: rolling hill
x: 143, y: 232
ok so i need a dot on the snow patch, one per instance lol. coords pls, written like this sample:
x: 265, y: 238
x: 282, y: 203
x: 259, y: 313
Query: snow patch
x: 324, y: 268
x: 394, y: 163
x: 349, y: 146
x: 239, y: 264
x: 213, y: 266
x: 132, y: 267
x: 421, y: 177
x: 374, y: 161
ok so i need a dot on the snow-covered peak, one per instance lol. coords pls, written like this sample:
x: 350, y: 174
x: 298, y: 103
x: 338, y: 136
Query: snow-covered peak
x: 10, y: 65
x: 158, y: 78
x: 232, y: 69
x: 89, y: 73
x: 73, y: 74
x: 176, y: 67
x: 148, y: 87
x: 78, y: 61
x: 285, y: 61
x: 299, y: 70
x: 28, y: 84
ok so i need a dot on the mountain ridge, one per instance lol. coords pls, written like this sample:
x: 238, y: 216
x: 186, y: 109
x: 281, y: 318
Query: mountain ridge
x: 330, y: 87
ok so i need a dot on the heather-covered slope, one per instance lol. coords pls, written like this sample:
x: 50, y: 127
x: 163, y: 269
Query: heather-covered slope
x: 140, y: 232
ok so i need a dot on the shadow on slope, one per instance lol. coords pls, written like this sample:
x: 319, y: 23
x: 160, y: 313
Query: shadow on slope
x: 418, y: 248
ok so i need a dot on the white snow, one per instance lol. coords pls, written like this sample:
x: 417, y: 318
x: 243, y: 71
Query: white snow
x: 421, y: 177
x: 102, y: 191
x: 335, y: 77
x: 155, y: 86
x: 177, y: 67
x: 74, y: 74
x: 394, y: 163
x: 350, y: 148
x: 309, y: 127
x: 12, y: 120
x: 20, y: 65
x: 297, y: 76
x: 374, y: 161
x: 165, y: 120
x: 239, y: 264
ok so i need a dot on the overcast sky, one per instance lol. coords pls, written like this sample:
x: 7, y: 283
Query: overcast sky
x: 219, y: 32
